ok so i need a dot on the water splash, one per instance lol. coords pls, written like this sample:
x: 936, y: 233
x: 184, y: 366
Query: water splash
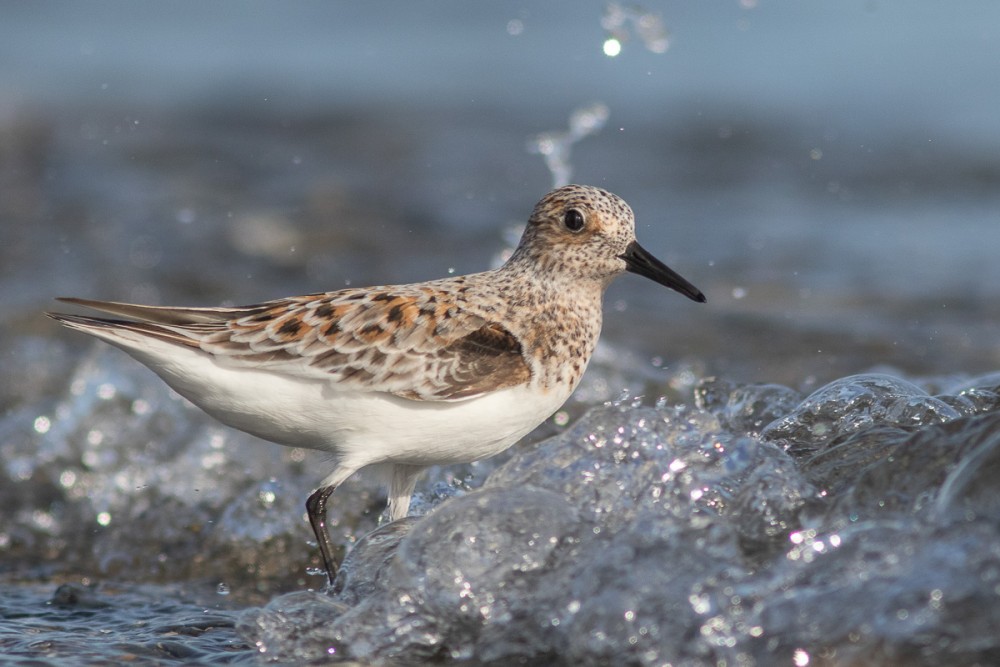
x: 610, y: 541
x: 555, y: 147
x: 620, y: 21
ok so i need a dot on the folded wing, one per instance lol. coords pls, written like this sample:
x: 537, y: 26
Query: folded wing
x: 413, y: 342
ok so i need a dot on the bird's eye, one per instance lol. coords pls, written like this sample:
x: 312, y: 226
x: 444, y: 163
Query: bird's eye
x: 573, y: 220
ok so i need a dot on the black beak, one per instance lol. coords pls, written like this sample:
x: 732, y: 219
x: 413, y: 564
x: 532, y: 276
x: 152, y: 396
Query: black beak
x: 638, y: 260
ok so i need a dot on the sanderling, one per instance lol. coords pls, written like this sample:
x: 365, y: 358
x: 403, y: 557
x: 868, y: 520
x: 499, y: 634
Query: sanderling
x: 401, y: 377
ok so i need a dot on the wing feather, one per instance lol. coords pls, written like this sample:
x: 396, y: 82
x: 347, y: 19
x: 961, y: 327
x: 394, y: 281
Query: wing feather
x: 410, y: 341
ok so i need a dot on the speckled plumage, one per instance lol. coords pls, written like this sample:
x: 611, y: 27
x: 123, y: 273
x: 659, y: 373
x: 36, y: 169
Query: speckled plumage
x: 404, y: 376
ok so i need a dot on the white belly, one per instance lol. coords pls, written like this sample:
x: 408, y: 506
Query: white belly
x: 359, y: 429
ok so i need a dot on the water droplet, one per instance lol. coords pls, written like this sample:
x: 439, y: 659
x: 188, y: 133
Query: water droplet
x: 42, y: 424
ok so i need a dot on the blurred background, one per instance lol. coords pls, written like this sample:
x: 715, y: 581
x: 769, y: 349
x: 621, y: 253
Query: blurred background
x: 826, y: 172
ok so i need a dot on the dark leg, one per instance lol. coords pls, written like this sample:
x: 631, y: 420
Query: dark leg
x: 316, y: 509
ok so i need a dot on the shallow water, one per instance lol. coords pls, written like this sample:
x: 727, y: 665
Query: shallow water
x: 817, y: 482
x: 137, y: 624
x: 661, y: 536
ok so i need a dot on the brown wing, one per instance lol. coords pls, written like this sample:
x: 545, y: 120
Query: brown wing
x: 486, y: 359
x: 411, y: 341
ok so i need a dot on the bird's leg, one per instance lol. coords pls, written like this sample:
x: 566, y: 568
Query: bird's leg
x: 316, y: 509
x: 401, y: 484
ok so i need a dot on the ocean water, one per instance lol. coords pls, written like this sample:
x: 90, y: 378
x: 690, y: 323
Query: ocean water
x: 801, y: 471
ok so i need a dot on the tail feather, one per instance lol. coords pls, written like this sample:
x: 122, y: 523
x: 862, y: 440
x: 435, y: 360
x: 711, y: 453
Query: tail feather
x: 112, y: 330
x: 161, y: 314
